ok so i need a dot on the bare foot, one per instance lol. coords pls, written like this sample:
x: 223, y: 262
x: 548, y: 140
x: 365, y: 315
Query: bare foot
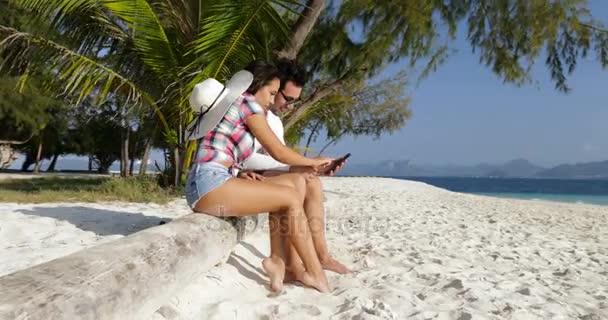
x: 333, y: 265
x: 289, y: 277
x: 297, y: 272
x: 320, y: 282
x: 292, y: 272
x: 275, y: 268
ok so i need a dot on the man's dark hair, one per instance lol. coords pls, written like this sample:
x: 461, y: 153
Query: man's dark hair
x: 263, y: 72
x: 290, y: 71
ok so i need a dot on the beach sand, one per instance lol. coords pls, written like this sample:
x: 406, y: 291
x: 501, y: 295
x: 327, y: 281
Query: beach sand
x: 418, y: 252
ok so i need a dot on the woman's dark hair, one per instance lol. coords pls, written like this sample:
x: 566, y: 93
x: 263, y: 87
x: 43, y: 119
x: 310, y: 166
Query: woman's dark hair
x: 263, y: 73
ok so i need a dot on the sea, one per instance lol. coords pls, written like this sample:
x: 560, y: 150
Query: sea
x: 561, y: 190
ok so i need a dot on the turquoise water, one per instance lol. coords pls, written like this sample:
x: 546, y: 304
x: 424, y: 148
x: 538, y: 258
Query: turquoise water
x: 562, y: 190
x: 570, y: 198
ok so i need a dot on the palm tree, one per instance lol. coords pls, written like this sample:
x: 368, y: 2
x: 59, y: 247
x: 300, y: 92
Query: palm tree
x: 151, y: 53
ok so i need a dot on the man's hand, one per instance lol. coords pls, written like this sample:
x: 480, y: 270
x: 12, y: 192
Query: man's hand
x: 303, y: 169
x: 307, y: 171
x: 250, y: 175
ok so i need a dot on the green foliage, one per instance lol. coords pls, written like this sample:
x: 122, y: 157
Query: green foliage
x: 370, y: 110
x: 138, y: 189
x: 96, y: 132
x: 54, y: 136
x: 85, y: 189
x: 508, y: 35
x: 150, y: 52
x: 148, y: 55
x: 23, y: 114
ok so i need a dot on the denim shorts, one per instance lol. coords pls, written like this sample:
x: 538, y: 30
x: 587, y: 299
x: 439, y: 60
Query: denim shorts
x: 203, y: 178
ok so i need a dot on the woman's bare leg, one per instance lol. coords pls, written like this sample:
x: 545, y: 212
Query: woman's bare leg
x: 275, y: 263
x: 280, y: 243
x: 312, y: 191
x: 240, y: 197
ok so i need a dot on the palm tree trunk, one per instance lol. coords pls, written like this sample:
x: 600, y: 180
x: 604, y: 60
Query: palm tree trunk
x: 321, y: 92
x: 177, y: 163
x: 331, y: 142
x: 124, y: 154
x: 300, y: 31
x: 123, y: 166
x: 27, y: 162
x: 124, y: 144
x: 51, y: 166
x: 312, y: 134
x: 145, y: 157
x: 131, y: 166
x: 179, y: 152
x: 38, y: 155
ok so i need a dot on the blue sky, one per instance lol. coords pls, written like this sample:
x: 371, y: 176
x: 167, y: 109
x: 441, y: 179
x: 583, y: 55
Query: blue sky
x: 465, y: 114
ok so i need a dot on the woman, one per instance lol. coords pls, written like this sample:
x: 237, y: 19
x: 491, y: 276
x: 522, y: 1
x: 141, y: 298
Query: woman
x: 212, y: 188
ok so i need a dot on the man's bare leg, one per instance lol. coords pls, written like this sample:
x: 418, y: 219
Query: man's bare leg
x: 315, y: 212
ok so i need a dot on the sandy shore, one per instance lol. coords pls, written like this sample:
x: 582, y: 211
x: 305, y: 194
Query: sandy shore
x: 418, y: 252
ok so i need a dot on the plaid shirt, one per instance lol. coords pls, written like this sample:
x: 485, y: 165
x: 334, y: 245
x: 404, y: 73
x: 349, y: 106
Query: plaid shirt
x: 231, y: 139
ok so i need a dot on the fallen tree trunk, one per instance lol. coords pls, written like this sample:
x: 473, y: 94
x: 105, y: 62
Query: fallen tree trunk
x: 129, y: 278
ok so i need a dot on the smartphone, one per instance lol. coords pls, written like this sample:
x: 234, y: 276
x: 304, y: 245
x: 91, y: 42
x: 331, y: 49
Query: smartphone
x: 336, y: 163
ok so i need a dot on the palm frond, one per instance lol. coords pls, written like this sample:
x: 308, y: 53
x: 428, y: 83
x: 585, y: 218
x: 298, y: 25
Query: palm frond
x: 84, y: 24
x: 149, y: 36
x: 222, y: 46
x: 79, y: 75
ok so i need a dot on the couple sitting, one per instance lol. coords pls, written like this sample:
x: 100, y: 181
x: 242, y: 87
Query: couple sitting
x: 229, y: 178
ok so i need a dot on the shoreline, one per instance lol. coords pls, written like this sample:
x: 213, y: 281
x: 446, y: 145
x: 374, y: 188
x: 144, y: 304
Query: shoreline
x: 418, y: 251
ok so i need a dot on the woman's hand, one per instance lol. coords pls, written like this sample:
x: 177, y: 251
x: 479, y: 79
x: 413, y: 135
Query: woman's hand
x: 250, y: 175
x: 319, y: 163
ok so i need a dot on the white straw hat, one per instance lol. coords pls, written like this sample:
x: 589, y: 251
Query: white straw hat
x: 210, y: 101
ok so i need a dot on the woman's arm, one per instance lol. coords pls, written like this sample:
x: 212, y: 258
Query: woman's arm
x: 259, y: 127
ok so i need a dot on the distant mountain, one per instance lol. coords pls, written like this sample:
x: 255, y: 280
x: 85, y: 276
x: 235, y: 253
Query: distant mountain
x: 518, y: 168
x: 514, y: 168
x: 382, y: 168
x: 591, y: 170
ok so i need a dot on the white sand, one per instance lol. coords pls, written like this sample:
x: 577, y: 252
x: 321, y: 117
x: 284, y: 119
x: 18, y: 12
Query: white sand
x: 419, y: 252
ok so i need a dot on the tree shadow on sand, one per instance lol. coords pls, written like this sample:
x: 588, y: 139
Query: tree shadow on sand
x: 100, y: 221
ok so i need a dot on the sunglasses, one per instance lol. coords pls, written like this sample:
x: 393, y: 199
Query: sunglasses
x: 288, y: 100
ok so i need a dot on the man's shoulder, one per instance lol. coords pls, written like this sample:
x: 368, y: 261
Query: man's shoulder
x: 271, y: 117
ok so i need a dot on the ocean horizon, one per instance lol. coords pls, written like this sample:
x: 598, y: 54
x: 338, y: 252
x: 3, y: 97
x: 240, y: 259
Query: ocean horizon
x: 582, y: 191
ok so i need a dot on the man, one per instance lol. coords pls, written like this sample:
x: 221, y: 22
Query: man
x: 293, y: 78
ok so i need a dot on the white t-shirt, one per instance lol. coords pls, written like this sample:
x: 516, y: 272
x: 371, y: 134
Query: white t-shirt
x: 261, y: 161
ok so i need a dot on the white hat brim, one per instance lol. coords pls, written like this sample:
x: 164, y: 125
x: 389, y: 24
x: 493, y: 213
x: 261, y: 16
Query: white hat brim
x: 236, y: 86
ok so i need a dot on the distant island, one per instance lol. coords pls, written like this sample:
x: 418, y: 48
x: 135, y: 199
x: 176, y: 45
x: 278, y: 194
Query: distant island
x: 519, y: 168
